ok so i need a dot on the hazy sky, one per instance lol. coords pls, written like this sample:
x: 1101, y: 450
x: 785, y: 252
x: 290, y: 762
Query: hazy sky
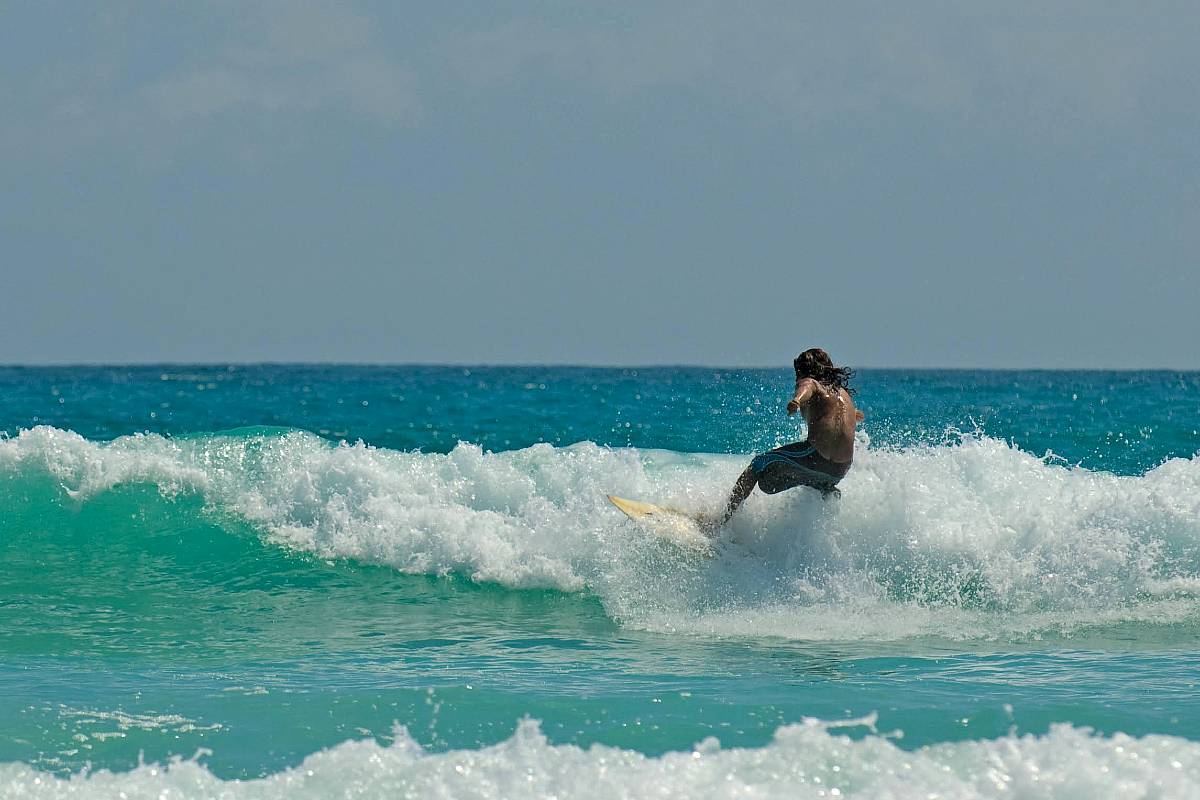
x: 906, y: 184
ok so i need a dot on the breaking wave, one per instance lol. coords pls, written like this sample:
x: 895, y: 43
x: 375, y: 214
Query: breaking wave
x: 809, y: 760
x: 974, y: 539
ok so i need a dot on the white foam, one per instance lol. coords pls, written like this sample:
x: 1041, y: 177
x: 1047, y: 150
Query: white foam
x: 92, y: 719
x: 810, y: 760
x: 971, y: 540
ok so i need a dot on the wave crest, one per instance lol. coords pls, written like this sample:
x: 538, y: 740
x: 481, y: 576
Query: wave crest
x: 975, y: 539
x: 808, y: 760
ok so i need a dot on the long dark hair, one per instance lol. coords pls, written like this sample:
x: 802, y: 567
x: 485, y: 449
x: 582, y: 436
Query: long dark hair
x: 815, y: 363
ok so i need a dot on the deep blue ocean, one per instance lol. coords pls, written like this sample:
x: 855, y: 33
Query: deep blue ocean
x: 293, y: 581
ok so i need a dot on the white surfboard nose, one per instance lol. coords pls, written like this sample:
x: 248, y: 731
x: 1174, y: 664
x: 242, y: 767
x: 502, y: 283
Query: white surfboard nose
x: 676, y: 527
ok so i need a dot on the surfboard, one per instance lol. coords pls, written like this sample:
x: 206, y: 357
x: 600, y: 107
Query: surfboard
x: 677, y: 527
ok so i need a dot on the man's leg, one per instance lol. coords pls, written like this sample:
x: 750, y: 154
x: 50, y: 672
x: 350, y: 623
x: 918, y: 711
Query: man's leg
x: 741, y: 490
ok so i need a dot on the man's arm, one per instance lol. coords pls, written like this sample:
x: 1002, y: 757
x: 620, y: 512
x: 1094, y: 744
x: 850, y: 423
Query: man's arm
x: 804, y: 392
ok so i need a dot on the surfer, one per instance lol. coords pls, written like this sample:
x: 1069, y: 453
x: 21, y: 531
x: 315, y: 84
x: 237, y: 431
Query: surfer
x: 823, y: 398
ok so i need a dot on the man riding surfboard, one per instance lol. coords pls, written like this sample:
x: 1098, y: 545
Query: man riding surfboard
x: 823, y: 398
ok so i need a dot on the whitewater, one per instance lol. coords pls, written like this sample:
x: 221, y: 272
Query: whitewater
x: 975, y: 539
x: 808, y: 760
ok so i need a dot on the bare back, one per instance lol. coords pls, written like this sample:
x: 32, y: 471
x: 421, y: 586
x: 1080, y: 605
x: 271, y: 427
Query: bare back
x: 831, y: 417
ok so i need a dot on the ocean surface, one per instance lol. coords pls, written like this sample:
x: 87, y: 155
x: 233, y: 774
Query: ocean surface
x: 287, y: 581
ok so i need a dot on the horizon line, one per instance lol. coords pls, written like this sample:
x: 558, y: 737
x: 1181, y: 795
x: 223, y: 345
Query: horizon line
x: 548, y: 365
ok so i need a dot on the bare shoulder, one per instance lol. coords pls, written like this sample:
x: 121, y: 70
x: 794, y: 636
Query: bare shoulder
x: 826, y: 399
x: 810, y: 386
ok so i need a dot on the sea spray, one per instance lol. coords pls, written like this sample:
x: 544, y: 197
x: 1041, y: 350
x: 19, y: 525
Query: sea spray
x: 808, y: 760
x: 968, y: 540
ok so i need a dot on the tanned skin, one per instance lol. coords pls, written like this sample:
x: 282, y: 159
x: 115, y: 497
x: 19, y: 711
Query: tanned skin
x: 831, y: 417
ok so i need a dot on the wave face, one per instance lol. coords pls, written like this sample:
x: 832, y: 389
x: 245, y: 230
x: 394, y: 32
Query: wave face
x: 970, y: 540
x: 807, y: 760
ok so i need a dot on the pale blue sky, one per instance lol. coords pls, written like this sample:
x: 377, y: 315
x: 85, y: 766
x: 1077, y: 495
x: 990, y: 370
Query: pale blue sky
x: 916, y: 184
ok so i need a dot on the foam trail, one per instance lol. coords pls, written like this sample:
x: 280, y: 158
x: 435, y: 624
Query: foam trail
x: 969, y: 540
x: 810, y: 760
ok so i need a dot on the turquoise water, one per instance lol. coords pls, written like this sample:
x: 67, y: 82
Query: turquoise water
x: 320, y: 580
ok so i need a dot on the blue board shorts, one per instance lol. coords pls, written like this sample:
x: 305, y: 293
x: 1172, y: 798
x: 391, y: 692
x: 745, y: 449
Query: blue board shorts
x: 797, y: 464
